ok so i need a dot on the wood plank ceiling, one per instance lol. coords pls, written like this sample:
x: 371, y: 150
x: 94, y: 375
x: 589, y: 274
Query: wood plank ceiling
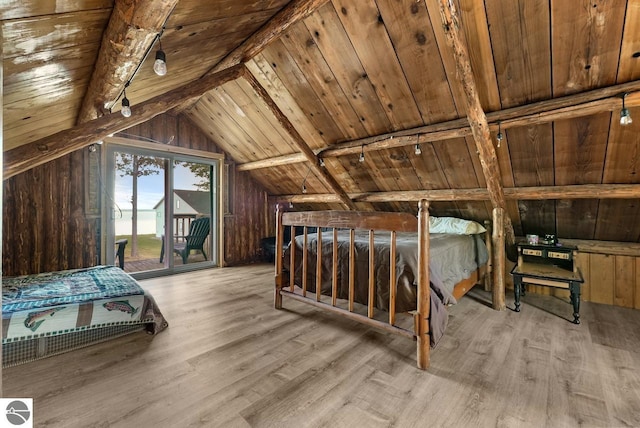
x: 376, y: 73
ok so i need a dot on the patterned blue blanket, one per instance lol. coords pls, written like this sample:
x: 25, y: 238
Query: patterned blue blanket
x: 57, y: 303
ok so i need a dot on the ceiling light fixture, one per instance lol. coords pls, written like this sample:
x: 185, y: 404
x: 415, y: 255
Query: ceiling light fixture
x: 126, y: 107
x: 321, y: 161
x: 361, y: 158
x: 304, y: 187
x: 499, y: 136
x: 418, y: 150
x: 625, y: 116
x: 160, y: 64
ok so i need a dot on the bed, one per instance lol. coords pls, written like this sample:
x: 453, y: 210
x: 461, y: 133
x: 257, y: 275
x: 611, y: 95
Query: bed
x: 409, y: 271
x: 50, y: 313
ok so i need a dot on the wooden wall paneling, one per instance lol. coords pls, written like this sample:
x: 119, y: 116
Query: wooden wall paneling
x: 622, y: 163
x: 475, y: 25
x: 625, y: 277
x: 395, y: 167
x: 538, y: 217
x: 302, y: 47
x: 201, y: 115
x: 237, y: 142
x: 269, y: 141
x: 585, y: 50
x: 532, y: 155
x: 184, y: 12
x: 415, y: 45
x: 618, y: 220
x: 602, y: 278
x: 369, y: 37
x: 266, y: 120
x: 286, y: 101
x: 520, y: 39
x: 636, y: 298
x: 576, y: 218
x: 457, y: 166
x: 297, y: 84
x: 629, y: 66
x: 30, y: 8
x: 332, y: 40
x: 56, y: 31
x: 427, y: 167
x: 583, y: 263
x: 579, y: 153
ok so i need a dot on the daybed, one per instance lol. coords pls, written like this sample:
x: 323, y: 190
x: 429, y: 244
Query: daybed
x: 51, y: 313
x: 394, y: 277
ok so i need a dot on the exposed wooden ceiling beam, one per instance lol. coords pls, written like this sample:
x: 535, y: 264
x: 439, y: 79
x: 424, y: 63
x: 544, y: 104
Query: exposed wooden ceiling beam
x: 475, y: 114
x: 572, y: 106
x: 133, y: 26
x: 580, y: 191
x: 30, y: 155
x: 314, y: 161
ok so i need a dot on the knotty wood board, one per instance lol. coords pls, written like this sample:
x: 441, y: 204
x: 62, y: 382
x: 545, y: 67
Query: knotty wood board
x: 602, y: 276
x: 415, y: 45
x: 624, y: 286
x: 308, y: 57
x: 629, y: 66
x: 264, y: 72
x: 581, y: 44
x: 524, y: 24
x: 582, y: 261
x: 338, y: 52
x: 370, y: 40
x: 297, y: 84
x: 625, y: 212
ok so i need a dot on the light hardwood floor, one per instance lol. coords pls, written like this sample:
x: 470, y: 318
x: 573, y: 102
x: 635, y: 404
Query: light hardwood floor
x: 229, y: 359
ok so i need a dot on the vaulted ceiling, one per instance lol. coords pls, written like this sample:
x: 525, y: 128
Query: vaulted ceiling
x: 349, y: 77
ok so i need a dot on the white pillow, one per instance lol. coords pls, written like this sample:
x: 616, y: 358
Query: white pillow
x: 454, y: 225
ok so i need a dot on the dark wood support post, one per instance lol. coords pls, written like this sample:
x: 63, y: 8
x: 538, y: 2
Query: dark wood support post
x: 424, y: 303
x: 498, y: 260
x: 279, y: 254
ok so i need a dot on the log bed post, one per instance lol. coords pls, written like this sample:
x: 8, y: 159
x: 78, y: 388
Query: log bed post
x: 422, y: 315
x: 488, y: 236
x: 279, y: 242
x: 497, y: 292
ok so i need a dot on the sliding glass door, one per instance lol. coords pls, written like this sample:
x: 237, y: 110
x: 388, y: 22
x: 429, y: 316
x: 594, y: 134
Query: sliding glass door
x: 162, y: 209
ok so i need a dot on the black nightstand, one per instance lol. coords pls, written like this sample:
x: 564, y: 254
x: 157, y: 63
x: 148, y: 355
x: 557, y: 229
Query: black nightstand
x: 549, y: 266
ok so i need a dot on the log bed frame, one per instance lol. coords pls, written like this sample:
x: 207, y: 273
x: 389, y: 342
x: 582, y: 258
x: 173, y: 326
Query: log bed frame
x: 371, y: 221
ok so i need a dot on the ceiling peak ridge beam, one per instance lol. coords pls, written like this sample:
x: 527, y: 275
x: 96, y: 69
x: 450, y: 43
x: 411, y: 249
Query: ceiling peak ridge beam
x: 132, y: 28
x: 30, y: 155
x: 314, y: 161
x: 576, y: 191
x: 571, y: 106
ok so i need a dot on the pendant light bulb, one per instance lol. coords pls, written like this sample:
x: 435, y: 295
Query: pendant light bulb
x: 418, y: 150
x: 160, y: 64
x: 361, y: 158
x: 126, y: 107
x: 625, y: 116
x: 304, y: 188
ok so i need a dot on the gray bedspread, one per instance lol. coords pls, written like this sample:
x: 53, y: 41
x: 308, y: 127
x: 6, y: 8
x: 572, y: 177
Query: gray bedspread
x: 452, y: 259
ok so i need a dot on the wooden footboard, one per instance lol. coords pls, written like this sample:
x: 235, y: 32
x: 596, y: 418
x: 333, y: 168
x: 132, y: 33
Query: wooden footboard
x: 376, y: 223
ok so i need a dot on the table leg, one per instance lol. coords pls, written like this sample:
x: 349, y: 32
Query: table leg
x: 574, y: 289
x: 517, y: 287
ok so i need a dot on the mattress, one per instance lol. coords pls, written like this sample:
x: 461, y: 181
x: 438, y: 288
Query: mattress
x: 103, y: 301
